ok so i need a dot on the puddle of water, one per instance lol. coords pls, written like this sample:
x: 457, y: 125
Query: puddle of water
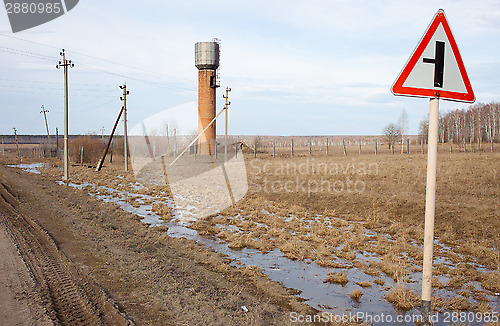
x: 31, y: 168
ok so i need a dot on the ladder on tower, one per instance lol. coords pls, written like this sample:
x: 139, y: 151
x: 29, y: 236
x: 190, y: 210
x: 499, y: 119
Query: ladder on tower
x: 217, y: 72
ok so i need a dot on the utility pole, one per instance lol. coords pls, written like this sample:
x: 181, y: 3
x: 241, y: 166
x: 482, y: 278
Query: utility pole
x: 125, y: 137
x: 17, y: 142
x: 46, y: 123
x: 226, y: 107
x: 65, y: 64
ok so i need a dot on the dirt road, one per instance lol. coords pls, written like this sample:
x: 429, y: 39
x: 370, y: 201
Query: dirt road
x: 69, y: 259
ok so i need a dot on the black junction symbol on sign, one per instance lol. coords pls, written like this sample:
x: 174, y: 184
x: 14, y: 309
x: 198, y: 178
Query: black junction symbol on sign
x: 438, y: 62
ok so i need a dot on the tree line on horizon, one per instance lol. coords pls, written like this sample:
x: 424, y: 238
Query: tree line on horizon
x: 478, y: 123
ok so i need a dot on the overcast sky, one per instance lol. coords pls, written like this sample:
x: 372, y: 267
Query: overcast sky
x: 295, y: 67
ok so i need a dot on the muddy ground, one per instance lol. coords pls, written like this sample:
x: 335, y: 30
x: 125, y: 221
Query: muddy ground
x: 83, y: 262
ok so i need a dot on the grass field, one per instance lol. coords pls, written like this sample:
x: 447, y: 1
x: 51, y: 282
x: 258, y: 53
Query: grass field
x: 362, y: 213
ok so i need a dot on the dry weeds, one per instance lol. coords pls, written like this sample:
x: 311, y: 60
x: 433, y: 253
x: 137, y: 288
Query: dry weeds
x: 92, y: 150
x: 337, y: 278
x: 356, y: 295
x: 402, y: 298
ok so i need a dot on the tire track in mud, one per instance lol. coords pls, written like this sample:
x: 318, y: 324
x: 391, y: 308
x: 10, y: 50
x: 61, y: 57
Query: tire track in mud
x: 68, y: 297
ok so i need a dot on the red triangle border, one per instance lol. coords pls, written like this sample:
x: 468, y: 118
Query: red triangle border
x: 398, y: 88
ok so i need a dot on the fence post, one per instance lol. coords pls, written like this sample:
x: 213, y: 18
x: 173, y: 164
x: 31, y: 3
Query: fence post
x: 359, y: 146
x: 215, y: 146
x: 327, y: 146
x: 81, y: 154
x: 274, y: 148
x: 408, y: 145
x: 310, y: 146
x: 376, y: 147
x: 345, y: 149
x: 292, y: 146
x: 255, y: 150
x: 236, y: 150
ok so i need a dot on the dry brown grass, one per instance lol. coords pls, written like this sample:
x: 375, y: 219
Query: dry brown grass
x: 356, y: 295
x: 437, y: 284
x: 458, y: 303
x: 92, y: 150
x: 337, y: 278
x: 402, y: 298
x: 395, y: 193
x: 491, y: 281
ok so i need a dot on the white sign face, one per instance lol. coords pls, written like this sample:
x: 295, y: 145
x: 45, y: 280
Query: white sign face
x: 435, y: 68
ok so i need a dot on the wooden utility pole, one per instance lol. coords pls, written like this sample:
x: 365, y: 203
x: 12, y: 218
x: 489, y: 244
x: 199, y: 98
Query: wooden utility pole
x: 101, y: 162
x: 65, y: 64
x: 225, y: 136
x: 46, y: 123
x: 175, y: 145
x: 17, y: 141
x: 125, y: 136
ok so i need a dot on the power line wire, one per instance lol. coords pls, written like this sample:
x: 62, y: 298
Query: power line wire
x: 97, y: 58
x: 34, y: 55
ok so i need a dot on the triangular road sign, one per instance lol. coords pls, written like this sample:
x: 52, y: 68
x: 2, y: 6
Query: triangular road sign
x: 435, y: 69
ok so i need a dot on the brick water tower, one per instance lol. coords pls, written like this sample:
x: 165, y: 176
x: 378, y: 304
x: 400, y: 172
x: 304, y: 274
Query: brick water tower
x: 207, y: 62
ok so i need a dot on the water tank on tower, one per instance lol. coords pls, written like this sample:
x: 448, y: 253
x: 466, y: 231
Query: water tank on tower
x: 207, y: 55
x: 207, y: 61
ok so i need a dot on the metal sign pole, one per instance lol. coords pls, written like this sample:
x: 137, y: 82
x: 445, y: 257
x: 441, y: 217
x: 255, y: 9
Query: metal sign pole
x: 430, y: 205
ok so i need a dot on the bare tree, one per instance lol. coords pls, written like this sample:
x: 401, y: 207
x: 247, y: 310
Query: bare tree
x: 423, y: 130
x: 392, y: 132
x: 403, y: 127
